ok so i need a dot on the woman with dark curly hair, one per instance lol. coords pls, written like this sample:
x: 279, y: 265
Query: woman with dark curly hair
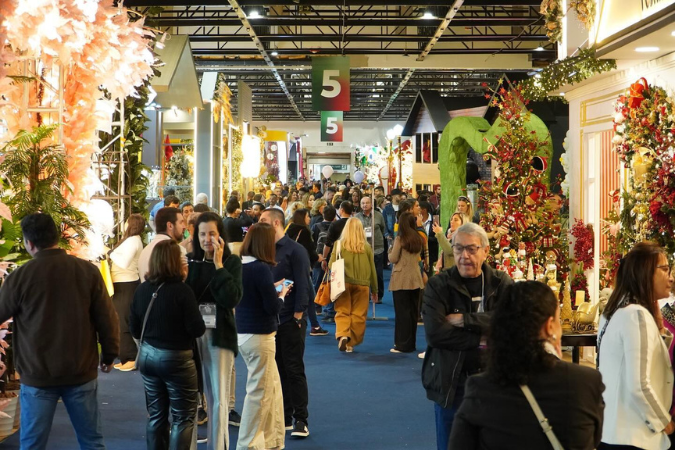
x: 524, y: 350
x: 633, y: 357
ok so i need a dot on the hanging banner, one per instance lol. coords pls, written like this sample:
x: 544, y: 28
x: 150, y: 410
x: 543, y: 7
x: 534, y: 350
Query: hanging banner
x: 330, y: 83
x: 331, y: 126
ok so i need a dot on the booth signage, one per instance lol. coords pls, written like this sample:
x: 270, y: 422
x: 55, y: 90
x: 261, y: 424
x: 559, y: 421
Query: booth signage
x: 331, y: 126
x: 618, y: 15
x: 330, y: 83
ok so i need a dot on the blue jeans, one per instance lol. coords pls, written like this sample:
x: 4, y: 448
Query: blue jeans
x: 445, y: 417
x: 37, y: 413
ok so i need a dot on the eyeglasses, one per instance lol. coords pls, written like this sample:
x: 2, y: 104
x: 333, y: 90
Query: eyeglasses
x: 470, y: 249
x: 666, y: 268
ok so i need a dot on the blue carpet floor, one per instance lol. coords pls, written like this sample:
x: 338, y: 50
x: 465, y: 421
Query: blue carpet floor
x: 369, y: 399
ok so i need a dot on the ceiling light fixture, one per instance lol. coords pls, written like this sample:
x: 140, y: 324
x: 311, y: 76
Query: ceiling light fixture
x: 428, y: 15
x: 672, y: 34
x: 275, y: 53
x: 254, y: 15
x: 647, y: 49
x: 539, y: 49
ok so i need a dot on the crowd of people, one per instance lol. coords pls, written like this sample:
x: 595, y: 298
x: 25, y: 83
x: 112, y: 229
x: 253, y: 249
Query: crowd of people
x: 208, y: 288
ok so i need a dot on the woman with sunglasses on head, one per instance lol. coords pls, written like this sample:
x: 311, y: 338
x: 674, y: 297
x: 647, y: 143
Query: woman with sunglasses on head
x: 166, y: 359
x: 262, y: 421
x: 465, y: 208
x: 633, y: 354
x: 214, y: 274
x: 524, y: 350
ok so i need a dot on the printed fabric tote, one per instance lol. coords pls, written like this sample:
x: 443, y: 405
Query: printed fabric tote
x: 337, y: 275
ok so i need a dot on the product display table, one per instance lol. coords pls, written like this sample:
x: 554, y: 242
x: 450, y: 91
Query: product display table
x: 578, y: 340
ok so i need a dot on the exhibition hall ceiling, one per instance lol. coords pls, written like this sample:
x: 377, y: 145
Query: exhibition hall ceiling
x: 396, y: 47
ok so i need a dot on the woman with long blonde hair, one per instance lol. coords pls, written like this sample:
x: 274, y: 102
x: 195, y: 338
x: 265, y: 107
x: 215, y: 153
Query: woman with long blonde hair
x: 351, y: 306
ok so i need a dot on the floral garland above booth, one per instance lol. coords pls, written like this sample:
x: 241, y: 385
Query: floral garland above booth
x: 79, y: 54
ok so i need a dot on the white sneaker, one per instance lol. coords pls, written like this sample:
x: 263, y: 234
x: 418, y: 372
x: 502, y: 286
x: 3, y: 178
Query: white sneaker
x: 421, y: 355
x: 202, y: 440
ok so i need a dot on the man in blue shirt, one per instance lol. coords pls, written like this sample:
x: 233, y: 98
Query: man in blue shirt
x: 292, y: 264
x: 160, y: 204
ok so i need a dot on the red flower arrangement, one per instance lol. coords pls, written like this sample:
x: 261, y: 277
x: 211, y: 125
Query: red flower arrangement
x: 583, y: 244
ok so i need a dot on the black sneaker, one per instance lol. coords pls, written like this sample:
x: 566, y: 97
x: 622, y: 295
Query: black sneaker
x: 317, y: 331
x: 202, y: 417
x: 288, y: 426
x: 300, y: 429
x: 234, y: 419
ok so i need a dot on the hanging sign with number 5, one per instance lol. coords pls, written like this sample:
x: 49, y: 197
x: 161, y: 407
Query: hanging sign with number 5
x: 331, y: 126
x: 330, y: 83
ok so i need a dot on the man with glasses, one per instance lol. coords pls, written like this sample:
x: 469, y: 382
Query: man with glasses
x: 456, y: 313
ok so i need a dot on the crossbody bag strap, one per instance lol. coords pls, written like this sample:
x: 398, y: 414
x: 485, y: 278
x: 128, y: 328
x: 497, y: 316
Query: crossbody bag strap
x: 147, y: 312
x: 543, y: 421
x: 597, y: 351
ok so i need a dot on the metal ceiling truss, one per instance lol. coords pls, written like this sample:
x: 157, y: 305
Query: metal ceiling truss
x: 272, y: 51
x: 375, y: 94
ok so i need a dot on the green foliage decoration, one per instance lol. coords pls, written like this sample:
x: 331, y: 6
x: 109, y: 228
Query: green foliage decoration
x: 570, y: 70
x: 38, y: 181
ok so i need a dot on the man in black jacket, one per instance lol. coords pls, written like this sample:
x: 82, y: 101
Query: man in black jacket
x: 235, y: 222
x: 456, y: 314
x: 292, y: 264
x: 61, y: 310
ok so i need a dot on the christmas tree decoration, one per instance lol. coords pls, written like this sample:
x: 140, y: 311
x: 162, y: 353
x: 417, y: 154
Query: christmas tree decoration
x: 179, y: 169
x: 570, y: 70
x: 530, y: 271
x: 644, y: 125
x: 521, y: 212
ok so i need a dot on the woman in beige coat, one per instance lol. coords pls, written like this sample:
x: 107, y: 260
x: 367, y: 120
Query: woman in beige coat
x: 406, y: 282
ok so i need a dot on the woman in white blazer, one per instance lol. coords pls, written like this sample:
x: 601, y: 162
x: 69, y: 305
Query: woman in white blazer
x: 633, y: 354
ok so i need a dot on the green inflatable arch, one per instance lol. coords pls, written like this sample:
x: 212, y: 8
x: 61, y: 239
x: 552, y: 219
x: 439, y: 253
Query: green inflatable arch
x: 463, y: 133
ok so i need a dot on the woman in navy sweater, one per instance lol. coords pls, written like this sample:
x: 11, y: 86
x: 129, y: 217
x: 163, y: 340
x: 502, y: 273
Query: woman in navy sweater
x: 262, y: 421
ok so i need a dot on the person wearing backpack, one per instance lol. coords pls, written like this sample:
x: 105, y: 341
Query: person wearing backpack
x: 373, y: 224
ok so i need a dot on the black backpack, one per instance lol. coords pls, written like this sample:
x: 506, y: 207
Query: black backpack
x: 322, y: 236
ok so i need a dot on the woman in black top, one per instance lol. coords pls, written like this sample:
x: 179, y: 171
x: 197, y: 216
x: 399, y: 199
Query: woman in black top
x: 214, y: 274
x: 298, y: 230
x: 524, y: 349
x: 166, y: 360
x: 262, y: 423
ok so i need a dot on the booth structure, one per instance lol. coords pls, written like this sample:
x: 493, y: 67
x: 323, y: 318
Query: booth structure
x: 642, y: 40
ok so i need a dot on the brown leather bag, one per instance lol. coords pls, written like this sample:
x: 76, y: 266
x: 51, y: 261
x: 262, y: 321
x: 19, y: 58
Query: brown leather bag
x: 323, y: 295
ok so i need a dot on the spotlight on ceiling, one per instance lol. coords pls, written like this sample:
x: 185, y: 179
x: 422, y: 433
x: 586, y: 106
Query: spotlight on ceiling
x: 275, y: 53
x: 428, y: 15
x: 539, y: 49
x: 647, y: 49
x: 254, y: 15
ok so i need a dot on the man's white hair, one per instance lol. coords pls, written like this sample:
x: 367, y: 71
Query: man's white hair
x: 202, y: 198
x: 473, y: 229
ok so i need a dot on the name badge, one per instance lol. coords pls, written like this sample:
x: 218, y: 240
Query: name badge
x: 208, y: 312
x: 369, y: 232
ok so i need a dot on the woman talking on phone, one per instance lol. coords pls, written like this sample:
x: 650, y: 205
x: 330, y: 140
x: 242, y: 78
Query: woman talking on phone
x: 215, y: 277
x: 262, y: 421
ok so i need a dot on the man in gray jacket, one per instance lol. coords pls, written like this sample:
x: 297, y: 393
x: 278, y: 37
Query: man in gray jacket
x: 456, y: 313
x: 374, y: 229
x: 61, y: 311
